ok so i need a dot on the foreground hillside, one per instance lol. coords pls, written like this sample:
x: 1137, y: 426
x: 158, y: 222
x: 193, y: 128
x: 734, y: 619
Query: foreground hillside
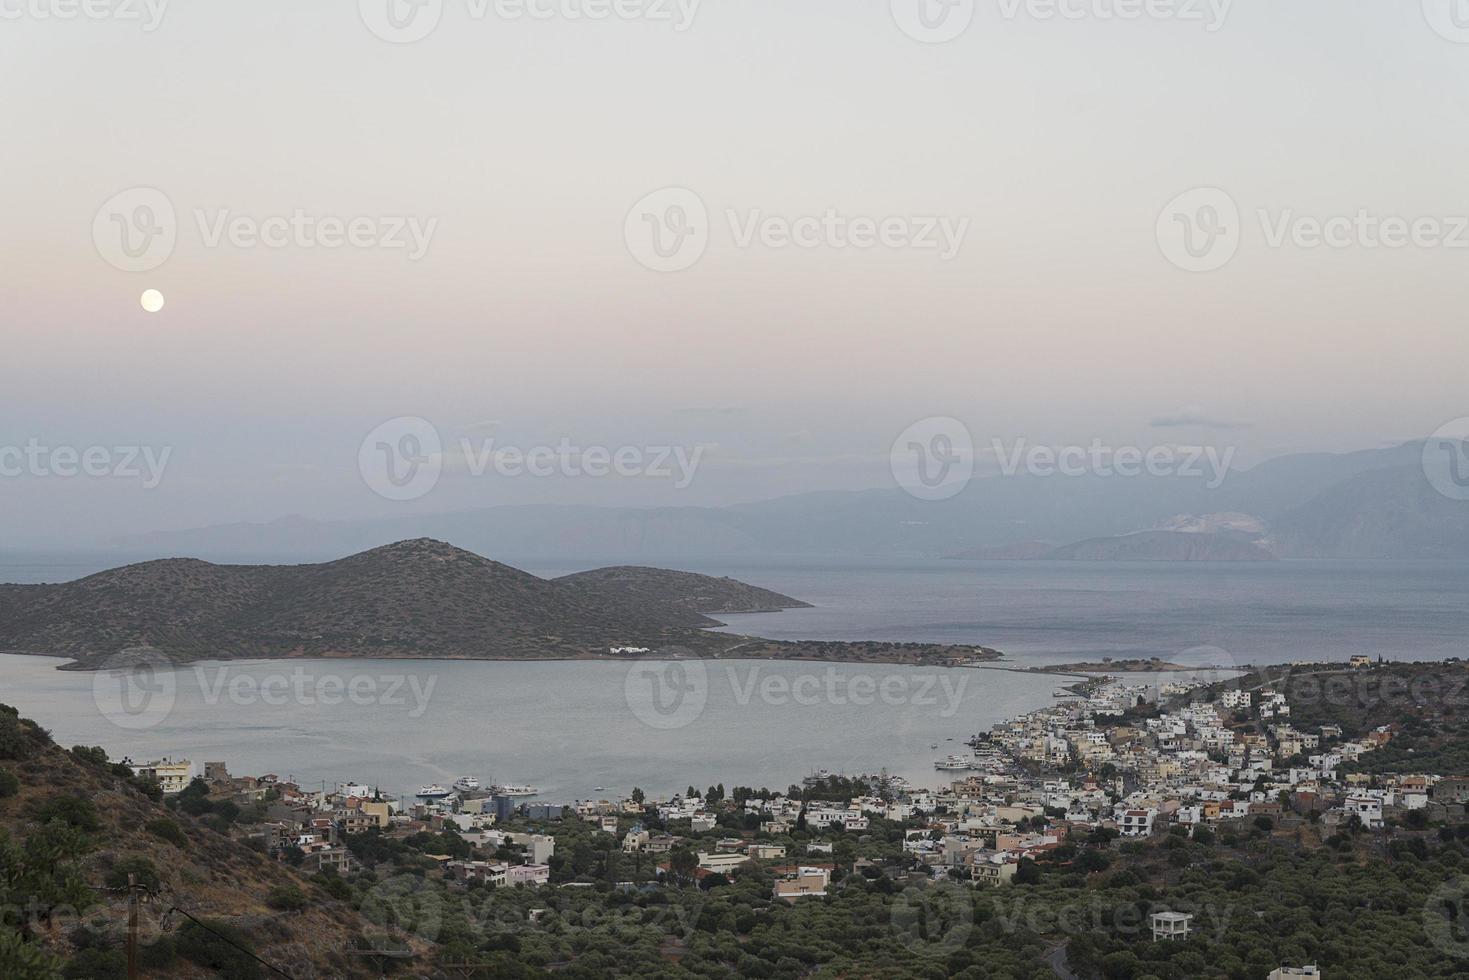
x: 72, y: 827
x: 412, y: 599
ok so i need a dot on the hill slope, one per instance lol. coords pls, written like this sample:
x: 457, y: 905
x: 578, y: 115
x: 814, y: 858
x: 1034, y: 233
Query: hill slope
x: 72, y: 825
x: 1388, y: 513
x: 679, y: 597
x: 417, y: 598
x: 1162, y: 546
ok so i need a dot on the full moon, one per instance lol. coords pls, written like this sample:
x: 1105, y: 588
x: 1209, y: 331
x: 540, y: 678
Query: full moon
x: 152, y: 301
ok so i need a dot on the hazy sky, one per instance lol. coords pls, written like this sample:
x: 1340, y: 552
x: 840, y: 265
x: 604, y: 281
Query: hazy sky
x: 523, y: 144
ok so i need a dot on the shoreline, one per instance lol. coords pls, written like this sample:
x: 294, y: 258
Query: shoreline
x: 889, y: 653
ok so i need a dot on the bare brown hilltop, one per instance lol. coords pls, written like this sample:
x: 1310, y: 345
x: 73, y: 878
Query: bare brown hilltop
x: 419, y: 598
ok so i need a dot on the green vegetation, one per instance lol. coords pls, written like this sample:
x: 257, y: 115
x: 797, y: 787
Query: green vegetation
x: 287, y: 898
x: 168, y: 830
x: 1260, y: 898
x: 214, y: 946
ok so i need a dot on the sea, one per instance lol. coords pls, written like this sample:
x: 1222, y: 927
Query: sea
x: 579, y: 730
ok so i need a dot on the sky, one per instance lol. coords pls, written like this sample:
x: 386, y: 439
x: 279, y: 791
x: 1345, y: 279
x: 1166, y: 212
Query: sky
x: 779, y: 234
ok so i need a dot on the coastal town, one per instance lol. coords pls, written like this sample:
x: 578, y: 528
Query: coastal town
x: 1189, y: 761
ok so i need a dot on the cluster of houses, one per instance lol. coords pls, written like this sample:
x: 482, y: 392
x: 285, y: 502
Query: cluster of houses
x: 312, y: 826
x: 1193, y: 764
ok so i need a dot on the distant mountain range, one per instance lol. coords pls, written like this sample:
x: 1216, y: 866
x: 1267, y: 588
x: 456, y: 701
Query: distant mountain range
x: 1369, y: 504
x: 419, y: 598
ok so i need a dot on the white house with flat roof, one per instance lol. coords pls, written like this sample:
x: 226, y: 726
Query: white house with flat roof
x: 172, y: 776
x: 1168, y: 926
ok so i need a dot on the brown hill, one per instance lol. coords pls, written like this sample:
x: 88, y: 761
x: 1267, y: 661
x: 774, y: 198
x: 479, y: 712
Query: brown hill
x: 71, y: 827
x: 419, y: 598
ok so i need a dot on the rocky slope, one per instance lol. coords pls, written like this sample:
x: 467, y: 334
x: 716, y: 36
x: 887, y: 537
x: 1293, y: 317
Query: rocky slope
x: 72, y: 826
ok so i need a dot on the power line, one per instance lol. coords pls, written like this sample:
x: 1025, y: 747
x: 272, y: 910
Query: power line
x: 218, y: 935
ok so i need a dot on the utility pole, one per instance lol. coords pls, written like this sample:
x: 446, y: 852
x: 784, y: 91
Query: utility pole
x: 132, y: 927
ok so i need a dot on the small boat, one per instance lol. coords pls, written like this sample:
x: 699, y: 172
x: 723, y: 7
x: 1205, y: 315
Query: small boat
x: 433, y: 792
x: 597, y: 788
x: 934, y: 745
x: 466, y: 784
x: 514, y: 790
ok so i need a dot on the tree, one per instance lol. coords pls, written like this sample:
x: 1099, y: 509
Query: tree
x: 20, y: 960
x: 683, y: 862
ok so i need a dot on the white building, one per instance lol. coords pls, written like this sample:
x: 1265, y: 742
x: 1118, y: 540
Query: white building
x: 1368, y: 809
x: 1136, y: 822
x: 1168, y: 926
x: 172, y: 776
x: 803, y: 883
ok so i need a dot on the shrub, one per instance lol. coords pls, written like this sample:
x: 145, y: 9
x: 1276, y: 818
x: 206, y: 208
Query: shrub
x: 19, y: 738
x: 149, y: 787
x: 335, y: 886
x: 70, y: 810
x: 159, y: 955
x: 9, y: 785
x: 97, y: 964
x: 142, y: 869
x: 286, y: 898
x: 215, y: 948
x: 169, y: 831
x: 20, y: 960
x: 91, y: 755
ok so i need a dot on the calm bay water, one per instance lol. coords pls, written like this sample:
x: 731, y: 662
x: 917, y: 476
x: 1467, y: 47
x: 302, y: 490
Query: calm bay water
x: 565, y: 727
x: 570, y: 727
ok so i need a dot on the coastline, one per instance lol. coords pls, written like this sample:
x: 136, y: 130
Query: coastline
x: 878, y: 653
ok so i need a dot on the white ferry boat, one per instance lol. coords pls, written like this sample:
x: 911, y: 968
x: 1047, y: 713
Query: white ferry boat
x: 466, y: 784
x: 953, y: 763
x: 433, y: 792
x: 515, y: 790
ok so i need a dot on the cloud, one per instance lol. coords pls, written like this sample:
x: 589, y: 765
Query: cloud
x: 1194, y: 415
